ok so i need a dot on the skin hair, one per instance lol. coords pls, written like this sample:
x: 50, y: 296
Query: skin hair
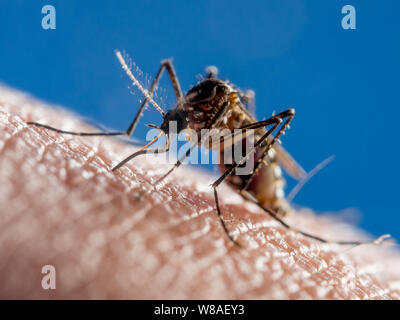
x: 61, y: 205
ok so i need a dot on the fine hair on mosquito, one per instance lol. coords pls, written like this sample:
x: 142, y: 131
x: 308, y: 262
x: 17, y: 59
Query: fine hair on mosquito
x: 215, y: 105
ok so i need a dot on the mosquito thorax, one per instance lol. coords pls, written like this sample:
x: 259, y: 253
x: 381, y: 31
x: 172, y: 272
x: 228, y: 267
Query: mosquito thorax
x: 205, y: 91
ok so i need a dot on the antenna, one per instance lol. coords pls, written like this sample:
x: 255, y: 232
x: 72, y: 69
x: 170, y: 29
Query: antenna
x: 136, y: 82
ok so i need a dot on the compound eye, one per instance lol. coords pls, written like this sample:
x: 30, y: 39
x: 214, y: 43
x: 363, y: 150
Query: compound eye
x: 203, y: 92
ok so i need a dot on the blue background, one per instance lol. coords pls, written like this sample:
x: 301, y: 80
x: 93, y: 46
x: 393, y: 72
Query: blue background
x: 344, y: 84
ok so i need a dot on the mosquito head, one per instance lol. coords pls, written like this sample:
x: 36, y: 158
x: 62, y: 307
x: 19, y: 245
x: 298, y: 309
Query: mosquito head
x: 179, y: 115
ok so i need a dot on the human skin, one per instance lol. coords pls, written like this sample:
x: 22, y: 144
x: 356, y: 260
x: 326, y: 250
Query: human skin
x: 61, y: 205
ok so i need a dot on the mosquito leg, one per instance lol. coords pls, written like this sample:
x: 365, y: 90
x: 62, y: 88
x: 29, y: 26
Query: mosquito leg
x: 167, y: 64
x: 176, y: 165
x: 76, y: 133
x: 275, y: 121
x: 174, y: 79
x: 162, y: 178
x: 221, y: 218
x: 288, y: 114
x: 274, y: 215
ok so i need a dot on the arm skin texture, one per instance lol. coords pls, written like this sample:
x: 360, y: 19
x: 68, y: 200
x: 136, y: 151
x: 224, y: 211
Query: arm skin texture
x: 61, y: 205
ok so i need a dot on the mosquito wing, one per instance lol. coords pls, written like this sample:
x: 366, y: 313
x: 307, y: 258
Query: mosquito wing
x: 288, y: 163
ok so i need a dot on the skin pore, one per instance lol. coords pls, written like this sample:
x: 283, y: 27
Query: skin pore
x: 61, y: 205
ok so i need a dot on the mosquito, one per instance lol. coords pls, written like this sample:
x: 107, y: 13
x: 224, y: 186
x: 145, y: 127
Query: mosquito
x: 217, y: 104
